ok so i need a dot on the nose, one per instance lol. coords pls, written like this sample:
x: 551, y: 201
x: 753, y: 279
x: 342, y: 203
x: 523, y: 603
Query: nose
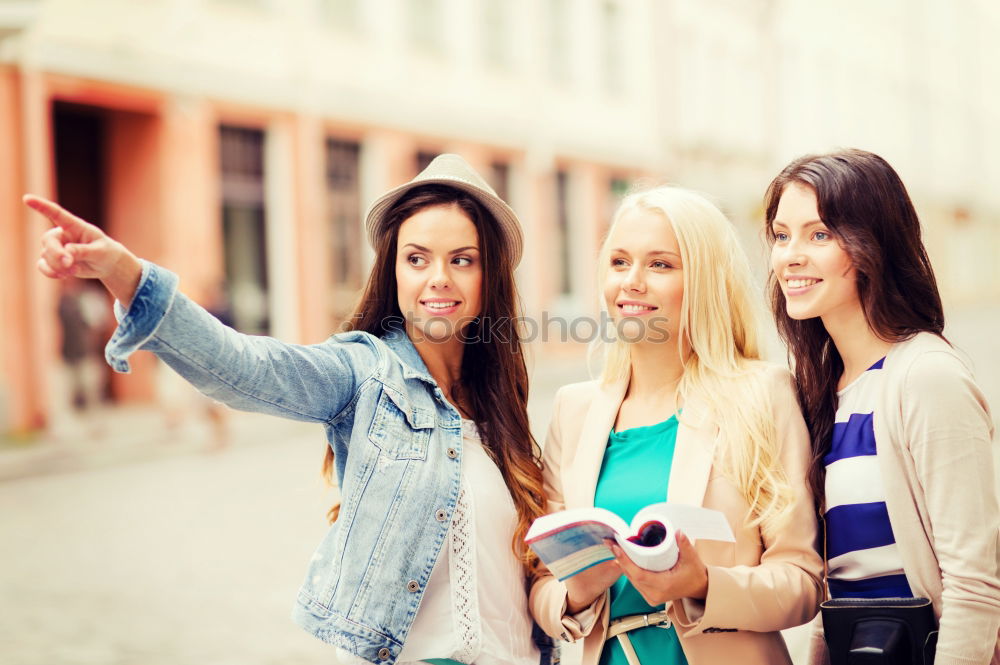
x: 788, y: 254
x: 634, y: 281
x: 440, y: 279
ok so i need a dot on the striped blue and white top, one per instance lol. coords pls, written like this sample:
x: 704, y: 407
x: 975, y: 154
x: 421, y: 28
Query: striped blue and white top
x: 863, y: 560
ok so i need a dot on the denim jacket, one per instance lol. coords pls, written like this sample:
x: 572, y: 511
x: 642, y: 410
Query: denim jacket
x: 396, y: 439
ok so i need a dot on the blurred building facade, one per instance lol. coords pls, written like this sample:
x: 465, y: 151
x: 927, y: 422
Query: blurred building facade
x: 238, y: 142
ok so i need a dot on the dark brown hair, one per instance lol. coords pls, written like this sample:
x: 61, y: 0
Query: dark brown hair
x: 493, y: 384
x: 862, y: 200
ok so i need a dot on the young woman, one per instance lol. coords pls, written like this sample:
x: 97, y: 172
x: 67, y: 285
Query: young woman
x: 426, y: 419
x: 684, y: 412
x: 901, y: 435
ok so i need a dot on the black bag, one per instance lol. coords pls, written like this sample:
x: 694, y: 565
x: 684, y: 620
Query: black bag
x: 880, y: 631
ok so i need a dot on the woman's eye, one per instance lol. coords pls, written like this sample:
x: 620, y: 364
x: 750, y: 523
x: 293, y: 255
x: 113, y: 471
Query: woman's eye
x: 462, y: 261
x: 661, y: 265
x: 416, y: 260
x: 780, y: 237
x: 617, y: 263
x: 821, y: 235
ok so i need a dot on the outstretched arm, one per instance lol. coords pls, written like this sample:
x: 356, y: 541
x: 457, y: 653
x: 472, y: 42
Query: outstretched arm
x: 247, y: 372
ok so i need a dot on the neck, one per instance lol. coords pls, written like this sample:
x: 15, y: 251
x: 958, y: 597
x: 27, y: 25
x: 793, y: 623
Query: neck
x: 655, y: 370
x: 443, y: 360
x: 858, y: 345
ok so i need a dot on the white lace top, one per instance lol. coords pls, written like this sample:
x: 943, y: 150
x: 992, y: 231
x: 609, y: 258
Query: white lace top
x: 475, y: 607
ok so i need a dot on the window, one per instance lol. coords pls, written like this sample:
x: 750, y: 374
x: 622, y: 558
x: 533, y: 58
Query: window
x: 559, y: 56
x: 243, y: 227
x: 611, y: 60
x: 424, y: 25
x: 618, y: 188
x: 499, y: 179
x: 562, y: 232
x: 343, y: 209
x: 496, y: 32
x: 424, y: 158
x: 343, y: 14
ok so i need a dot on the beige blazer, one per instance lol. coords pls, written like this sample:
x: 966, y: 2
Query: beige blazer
x: 934, y: 434
x: 762, y: 583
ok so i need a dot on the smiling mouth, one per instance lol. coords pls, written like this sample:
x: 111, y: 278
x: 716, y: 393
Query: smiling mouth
x: 801, y: 283
x: 636, y: 309
x: 440, y: 305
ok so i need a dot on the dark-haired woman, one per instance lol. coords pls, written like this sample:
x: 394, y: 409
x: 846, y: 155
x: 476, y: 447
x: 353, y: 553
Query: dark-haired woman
x: 426, y: 420
x: 901, y: 433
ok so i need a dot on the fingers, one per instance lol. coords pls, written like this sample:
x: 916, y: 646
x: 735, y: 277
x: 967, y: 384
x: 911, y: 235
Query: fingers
x: 43, y: 267
x: 54, y: 250
x: 687, y: 554
x: 685, y: 546
x: 631, y: 570
x: 55, y: 213
x: 64, y: 259
x: 56, y: 257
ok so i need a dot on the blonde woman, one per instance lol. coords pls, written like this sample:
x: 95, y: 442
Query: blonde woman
x: 684, y: 411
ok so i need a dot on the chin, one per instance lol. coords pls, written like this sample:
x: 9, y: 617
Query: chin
x: 800, y: 315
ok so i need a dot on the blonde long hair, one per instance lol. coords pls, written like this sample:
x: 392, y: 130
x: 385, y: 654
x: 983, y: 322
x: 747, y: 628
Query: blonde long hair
x: 718, y: 321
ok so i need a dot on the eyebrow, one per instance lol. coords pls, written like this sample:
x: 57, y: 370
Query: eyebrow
x: 813, y: 222
x: 659, y: 252
x: 421, y: 248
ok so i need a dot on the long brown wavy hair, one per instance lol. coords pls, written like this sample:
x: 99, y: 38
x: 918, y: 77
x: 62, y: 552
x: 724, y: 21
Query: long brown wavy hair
x: 862, y: 200
x: 493, y: 383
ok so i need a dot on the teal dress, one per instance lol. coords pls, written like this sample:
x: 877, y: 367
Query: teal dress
x: 635, y: 473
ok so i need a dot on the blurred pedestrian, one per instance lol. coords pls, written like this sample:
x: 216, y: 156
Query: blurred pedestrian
x: 77, y: 344
x: 83, y: 321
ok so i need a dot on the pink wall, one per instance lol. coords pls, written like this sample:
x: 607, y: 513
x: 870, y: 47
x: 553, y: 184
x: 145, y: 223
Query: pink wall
x: 163, y: 200
x: 24, y: 408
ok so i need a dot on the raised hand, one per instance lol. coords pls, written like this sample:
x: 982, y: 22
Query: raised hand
x: 687, y: 579
x: 76, y: 248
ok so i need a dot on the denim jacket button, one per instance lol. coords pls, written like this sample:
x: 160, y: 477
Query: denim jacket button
x: 384, y: 654
x: 412, y: 586
x: 440, y: 515
x: 452, y: 453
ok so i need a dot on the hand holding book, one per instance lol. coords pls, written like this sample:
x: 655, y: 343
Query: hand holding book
x: 688, y: 578
x: 584, y: 588
x: 571, y: 541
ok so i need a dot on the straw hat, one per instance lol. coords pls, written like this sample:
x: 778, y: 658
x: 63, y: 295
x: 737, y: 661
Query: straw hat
x: 453, y: 171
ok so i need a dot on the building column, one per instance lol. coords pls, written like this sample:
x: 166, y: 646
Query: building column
x: 535, y: 194
x: 387, y: 159
x: 20, y: 407
x: 38, y: 346
x: 590, y: 187
x: 314, y: 268
x: 190, y: 216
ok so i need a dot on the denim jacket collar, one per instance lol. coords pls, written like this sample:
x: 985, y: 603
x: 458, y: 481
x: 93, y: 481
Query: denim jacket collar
x: 401, y: 344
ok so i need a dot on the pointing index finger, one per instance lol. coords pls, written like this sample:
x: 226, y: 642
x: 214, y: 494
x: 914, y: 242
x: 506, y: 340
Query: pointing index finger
x: 52, y: 211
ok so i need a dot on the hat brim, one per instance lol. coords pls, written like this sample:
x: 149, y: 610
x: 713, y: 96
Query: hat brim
x: 506, y: 219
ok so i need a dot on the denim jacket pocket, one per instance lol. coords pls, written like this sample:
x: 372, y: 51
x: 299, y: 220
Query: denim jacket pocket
x: 399, y: 429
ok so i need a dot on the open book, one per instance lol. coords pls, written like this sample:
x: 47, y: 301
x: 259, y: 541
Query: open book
x: 571, y: 541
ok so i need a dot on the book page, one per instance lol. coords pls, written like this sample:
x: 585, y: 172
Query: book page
x: 696, y: 522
